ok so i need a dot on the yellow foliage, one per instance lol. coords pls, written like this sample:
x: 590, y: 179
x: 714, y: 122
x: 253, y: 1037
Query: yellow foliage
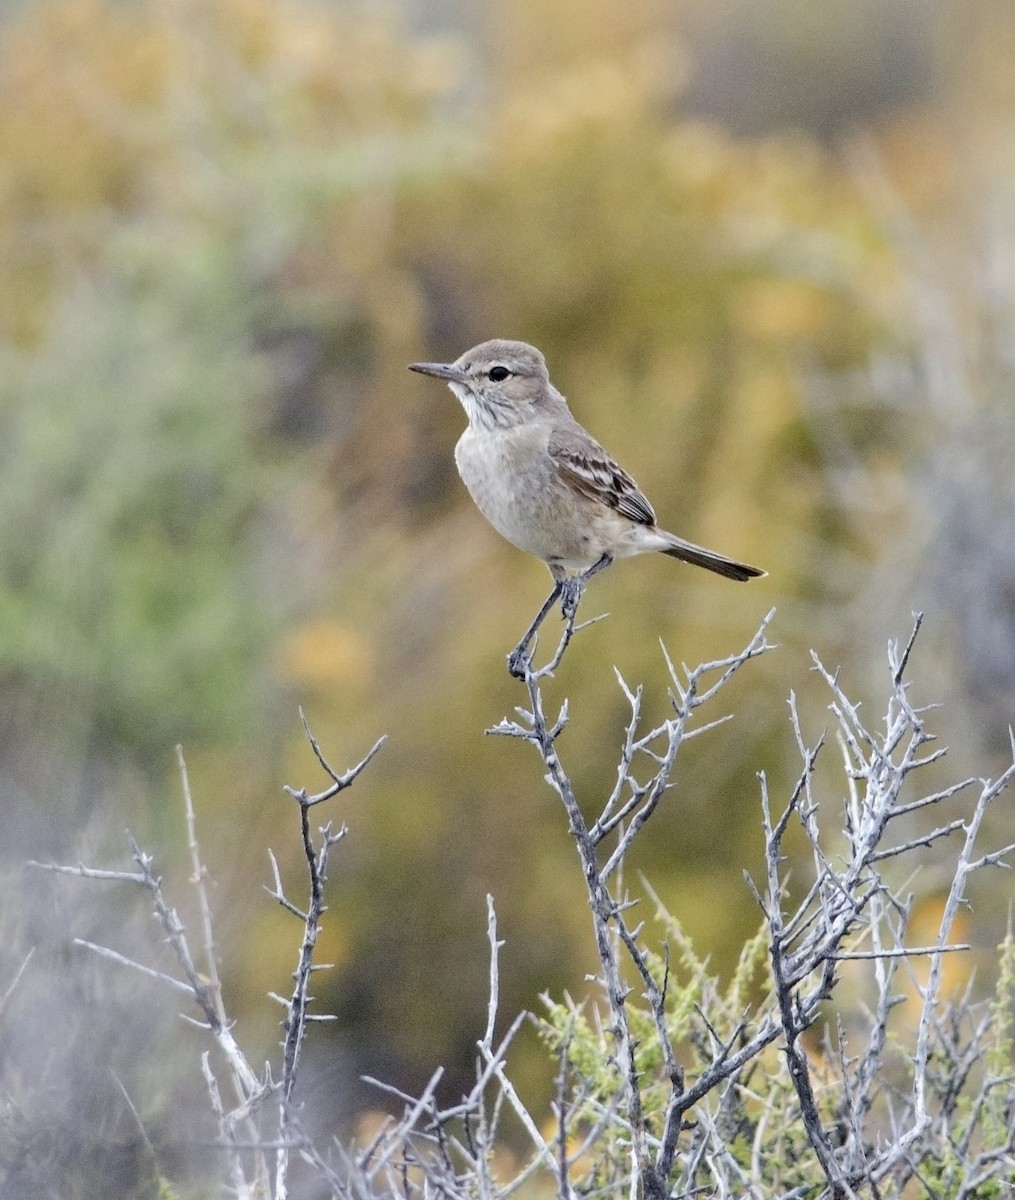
x: 772, y: 309
x: 957, y: 966
x: 168, y: 113
x: 323, y: 654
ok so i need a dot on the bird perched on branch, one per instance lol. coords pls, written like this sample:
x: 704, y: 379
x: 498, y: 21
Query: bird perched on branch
x: 544, y: 482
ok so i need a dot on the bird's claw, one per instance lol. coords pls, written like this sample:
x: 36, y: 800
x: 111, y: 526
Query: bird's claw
x: 570, y: 593
x: 518, y: 661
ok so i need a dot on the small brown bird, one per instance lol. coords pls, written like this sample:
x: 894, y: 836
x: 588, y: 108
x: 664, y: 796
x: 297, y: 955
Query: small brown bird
x: 544, y: 482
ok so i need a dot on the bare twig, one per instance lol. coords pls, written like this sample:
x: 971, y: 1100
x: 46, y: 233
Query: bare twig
x: 198, y: 877
x: 297, y: 1017
x: 12, y: 987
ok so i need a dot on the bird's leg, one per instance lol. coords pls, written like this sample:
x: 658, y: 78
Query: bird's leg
x: 518, y: 656
x: 571, y: 589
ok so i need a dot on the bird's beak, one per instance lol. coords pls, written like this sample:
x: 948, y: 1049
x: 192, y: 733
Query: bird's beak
x: 446, y: 371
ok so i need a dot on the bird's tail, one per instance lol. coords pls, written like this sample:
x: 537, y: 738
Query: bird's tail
x: 700, y: 557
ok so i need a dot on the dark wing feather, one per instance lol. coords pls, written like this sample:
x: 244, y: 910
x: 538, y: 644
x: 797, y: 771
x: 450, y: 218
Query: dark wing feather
x: 587, y: 467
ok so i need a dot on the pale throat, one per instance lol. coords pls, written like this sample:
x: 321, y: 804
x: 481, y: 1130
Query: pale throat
x: 484, y: 414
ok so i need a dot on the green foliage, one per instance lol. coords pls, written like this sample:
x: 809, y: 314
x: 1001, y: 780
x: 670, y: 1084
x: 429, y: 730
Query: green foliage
x: 701, y: 1013
x: 1002, y: 1011
x: 757, y: 1114
x: 131, y: 480
x: 144, y: 485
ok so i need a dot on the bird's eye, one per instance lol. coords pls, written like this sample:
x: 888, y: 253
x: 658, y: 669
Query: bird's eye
x: 499, y: 374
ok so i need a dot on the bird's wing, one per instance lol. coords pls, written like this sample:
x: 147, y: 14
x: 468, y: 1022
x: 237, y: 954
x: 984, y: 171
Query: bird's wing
x: 587, y: 467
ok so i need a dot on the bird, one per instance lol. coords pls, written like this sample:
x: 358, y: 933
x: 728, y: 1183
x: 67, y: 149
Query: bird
x: 544, y: 482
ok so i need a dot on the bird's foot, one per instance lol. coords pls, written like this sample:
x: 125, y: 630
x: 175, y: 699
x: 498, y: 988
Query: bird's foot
x: 571, y: 590
x: 519, y: 661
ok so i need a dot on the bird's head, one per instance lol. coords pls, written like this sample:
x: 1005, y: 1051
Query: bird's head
x: 499, y: 383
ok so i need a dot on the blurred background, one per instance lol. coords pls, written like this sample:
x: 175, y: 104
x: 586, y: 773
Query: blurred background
x: 768, y: 248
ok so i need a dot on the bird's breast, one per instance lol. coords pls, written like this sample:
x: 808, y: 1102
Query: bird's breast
x: 516, y: 486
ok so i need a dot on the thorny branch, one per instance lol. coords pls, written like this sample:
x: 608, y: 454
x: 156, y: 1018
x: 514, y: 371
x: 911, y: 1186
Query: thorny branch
x: 847, y: 903
x: 205, y: 989
x: 297, y: 1015
x: 626, y: 817
x: 669, y: 1085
